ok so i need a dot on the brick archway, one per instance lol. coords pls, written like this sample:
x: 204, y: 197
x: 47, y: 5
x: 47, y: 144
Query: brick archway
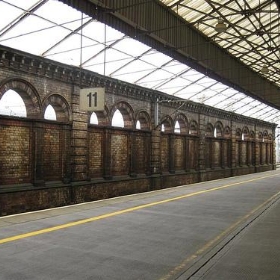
x: 183, y: 122
x: 144, y: 119
x: 193, y: 128
x: 60, y: 105
x: 168, y: 123
x: 127, y: 113
x: 102, y: 116
x: 28, y: 94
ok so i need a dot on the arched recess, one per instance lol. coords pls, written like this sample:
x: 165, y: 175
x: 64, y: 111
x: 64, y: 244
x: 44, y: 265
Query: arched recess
x: 167, y: 124
x: 252, y: 135
x: 265, y: 136
x: 144, y: 120
x: 126, y: 111
x: 245, y: 133
x: 238, y: 134
x: 209, y: 130
x: 60, y: 105
x: 183, y: 123
x: 193, y: 130
x: 218, y: 129
x: 28, y: 94
x: 227, y: 132
x: 102, y: 117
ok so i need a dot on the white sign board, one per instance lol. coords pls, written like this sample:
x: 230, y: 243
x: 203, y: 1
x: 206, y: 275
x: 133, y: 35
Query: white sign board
x: 92, y: 99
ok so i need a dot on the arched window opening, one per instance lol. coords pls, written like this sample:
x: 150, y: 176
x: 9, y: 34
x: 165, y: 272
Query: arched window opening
x: 177, y: 128
x: 50, y: 113
x: 117, y: 119
x: 93, y: 118
x: 215, y: 132
x: 138, y: 125
x: 163, y: 127
x: 243, y: 137
x: 12, y: 104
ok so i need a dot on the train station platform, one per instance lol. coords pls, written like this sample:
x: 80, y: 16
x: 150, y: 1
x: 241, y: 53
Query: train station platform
x: 224, y: 229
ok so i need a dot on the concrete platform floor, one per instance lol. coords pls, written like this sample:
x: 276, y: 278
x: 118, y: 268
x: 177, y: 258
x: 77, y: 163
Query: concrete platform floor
x: 224, y: 229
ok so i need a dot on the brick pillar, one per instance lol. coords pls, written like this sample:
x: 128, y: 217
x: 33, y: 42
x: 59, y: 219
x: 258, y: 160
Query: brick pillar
x: 66, y: 139
x: 223, y: 153
x: 133, y: 159
x: 171, y: 153
x: 79, y: 139
x: 201, y: 146
x: 38, y: 133
x: 187, y: 152
x: 257, y: 149
x: 233, y: 146
x: 107, y: 172
x: 273, y: 146
x: 155, y: 152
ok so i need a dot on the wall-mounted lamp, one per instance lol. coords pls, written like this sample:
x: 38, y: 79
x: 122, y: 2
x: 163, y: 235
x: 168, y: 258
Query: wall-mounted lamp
x: 220, y: 26
x: 264, y: 69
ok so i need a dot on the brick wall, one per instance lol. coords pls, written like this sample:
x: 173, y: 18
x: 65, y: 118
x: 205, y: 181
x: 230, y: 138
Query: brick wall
x: 15, y: 155
x: 52, y: 163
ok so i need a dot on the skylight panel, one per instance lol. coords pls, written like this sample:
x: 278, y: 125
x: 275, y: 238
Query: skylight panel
x: 131, y: 77
x: 131, y: 47
x: 26, y: 4
x: 101, y: 33
x: 8, y: 14
x: 33, y: 35
x: 156, y: 58
x: 175, y: 83
x: 193, y: 75
x: 52, y: 11
x: 134, y: 67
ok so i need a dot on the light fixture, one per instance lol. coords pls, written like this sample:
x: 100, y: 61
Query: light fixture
x: 220, y: 26
x: 264, y: 69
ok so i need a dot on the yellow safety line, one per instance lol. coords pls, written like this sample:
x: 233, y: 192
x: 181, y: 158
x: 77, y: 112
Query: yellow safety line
x: 116, y: 213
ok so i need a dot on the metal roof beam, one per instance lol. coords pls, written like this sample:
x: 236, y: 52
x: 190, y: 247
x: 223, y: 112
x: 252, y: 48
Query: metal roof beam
x: 142, y: 22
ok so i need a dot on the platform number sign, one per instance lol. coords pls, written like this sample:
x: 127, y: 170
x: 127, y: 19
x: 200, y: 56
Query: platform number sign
x: 92, y: 99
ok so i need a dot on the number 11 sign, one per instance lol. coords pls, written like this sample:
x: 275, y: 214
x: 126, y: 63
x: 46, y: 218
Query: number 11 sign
x: 92, y: 99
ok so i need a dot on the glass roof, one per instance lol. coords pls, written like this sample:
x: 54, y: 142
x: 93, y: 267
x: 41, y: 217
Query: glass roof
x: 51, y: 29
x: 252, y: 29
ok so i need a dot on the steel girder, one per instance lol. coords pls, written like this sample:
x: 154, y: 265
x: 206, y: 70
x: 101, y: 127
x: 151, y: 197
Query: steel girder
x: 150, y: 22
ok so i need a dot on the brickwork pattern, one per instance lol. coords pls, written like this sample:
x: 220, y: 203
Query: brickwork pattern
x: 89, y: 162
x: 119, y: 154
x: 179, y: 162
x: 52, y: 158
x: 15, y: 159
x: 95, y: 152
